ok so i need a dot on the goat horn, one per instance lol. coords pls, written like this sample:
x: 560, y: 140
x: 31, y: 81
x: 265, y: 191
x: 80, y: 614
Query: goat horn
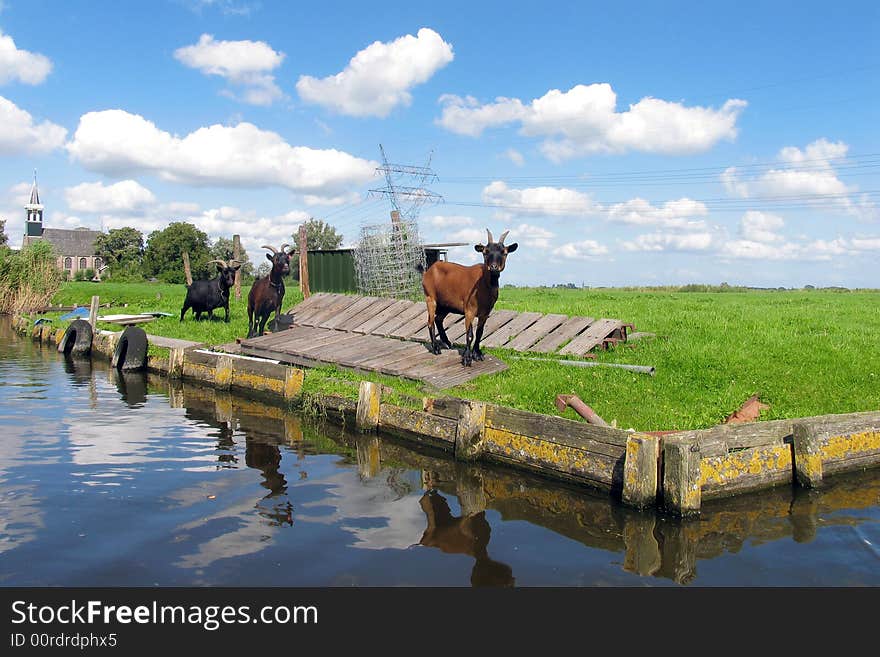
x: 219, y: 262
x: 271, y: 248
x: 284, y: 248
x: 503, y: 235
x: 489, y: 232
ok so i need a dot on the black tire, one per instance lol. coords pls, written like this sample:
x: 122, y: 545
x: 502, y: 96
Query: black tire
x: 77, y: 339
x: 131, y: 350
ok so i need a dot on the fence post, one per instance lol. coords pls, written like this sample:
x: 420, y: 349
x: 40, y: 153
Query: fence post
x: 469, y: 433
x: 640, y: 469
x: 807, y: 455
x: 236, y: 254
x: 186, y: 270
x: 303, y: 263
x: 93, y: 311
x: 681, y: 475
x: 369, y: 400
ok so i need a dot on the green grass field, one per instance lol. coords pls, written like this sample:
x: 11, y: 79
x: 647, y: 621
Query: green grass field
x: 805, y: 352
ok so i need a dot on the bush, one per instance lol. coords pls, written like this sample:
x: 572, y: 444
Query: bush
x: 29, y: 278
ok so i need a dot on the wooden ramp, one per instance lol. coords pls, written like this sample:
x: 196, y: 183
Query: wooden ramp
x: 407, y: 320
x: 312, y: 346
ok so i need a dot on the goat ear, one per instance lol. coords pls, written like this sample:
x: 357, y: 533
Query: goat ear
x: 511, y: 247
x: 269, y: 257
x: 479, y: 247
x: 236, y: 268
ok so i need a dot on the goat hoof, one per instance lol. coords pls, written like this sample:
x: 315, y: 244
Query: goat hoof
x: 478, y: 355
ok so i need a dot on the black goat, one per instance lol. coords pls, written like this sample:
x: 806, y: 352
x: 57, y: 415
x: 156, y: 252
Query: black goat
x: 206, y: 296
x: 469, y: 291
x: 267, y: 293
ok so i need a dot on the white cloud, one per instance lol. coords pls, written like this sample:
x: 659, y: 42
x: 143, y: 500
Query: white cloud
x: 529, y: 235
x: 584, y: 120
x: 532, y: 201
x: 246, y: 64
x: 123, y: 196
x: 22, y: 65
x: 660, y: 241
x: 20, y: 134
x: 581, y: 250
x: 758, y: 226
x: 448, y: 221
x: 515, y: 156
x: 675, y: 214
x: 379, y: 77
x: 807, y: 173
x: 115, y: 142
x: 470, y: 235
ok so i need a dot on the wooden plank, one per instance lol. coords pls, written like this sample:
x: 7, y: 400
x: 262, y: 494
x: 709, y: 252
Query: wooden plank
x: 497, y: 319
x: 314, y: 300
x: 511, y: 329
x: 375, y: 320
x: 319, y: 312
x: 360, y: 348
x: 562, y: 334
x: 357, y: 318
x: 592, y: 337
x: 450, y: 323
x: 402, y: 352
x: 171, y: 343
x: 304, y: 316
x: 443, y: 380
x: 405, y: 315
x: 535, y: 332
x: 412, y: 326
x: 563, y: 431
x: 383, y: 353
x: 336, y: 319
x: 326, y: 347
x: 332, y: 310
x: 400, y: 366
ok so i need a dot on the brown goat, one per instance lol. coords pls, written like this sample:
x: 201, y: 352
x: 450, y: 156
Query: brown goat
x: 267, y: 294
x: 469, y: 291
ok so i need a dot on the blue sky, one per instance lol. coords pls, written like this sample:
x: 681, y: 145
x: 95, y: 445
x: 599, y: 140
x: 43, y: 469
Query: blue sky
x: 619, y: 143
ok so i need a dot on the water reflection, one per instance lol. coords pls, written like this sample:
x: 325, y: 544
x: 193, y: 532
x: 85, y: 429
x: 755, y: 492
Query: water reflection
x: 201, y: 487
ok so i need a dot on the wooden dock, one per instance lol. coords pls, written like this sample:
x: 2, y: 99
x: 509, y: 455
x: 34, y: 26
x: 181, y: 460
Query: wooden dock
x: 407, y: 320
x: 311, y: 346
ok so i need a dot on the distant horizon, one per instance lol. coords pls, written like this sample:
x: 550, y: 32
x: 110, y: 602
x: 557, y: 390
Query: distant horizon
x: 637, y: 145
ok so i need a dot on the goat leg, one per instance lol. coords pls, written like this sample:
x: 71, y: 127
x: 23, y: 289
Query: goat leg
x: 478, y: 355
x: 441, y: 331
x: 467, y: 357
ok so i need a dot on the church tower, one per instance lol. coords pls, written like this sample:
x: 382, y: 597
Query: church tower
x: 34, y: 209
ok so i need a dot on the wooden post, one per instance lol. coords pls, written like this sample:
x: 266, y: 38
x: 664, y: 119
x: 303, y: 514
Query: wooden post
x: 303, y: 263
x: 807, y: 455
x: 186, y: 270
x: 93, y: 311
x: 223, y: 373
x: 681, y: 476
x: 640, y: 470
x: 236, y: 254
x: 470, y: 430
x: 369, y: 401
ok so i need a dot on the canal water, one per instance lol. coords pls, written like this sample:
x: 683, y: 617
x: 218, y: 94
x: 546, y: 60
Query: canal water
x: 109, y: 480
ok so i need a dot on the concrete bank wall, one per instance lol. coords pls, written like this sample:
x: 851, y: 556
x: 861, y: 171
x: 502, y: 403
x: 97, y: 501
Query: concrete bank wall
x: 676, y: 472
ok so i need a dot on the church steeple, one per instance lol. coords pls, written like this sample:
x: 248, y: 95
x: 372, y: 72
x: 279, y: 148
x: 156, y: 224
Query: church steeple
x: 34, y: 209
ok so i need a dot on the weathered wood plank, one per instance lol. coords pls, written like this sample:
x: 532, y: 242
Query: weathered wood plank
x: 390, y: 312
x: 367, y: 313
x: 510, y: 329
x: 401, y: 353
x: 171, y: 343
x: 412, y: 326
x: 592, y: 336
x: 535, y: 332
x: 562, y: 334
x: 497, y: 319
x: 449, y: 323
x: 568, y: 432
x: 423, y: 427
x: 406, y: 315
x: 331, y: 310
x: 352, y: 311
x: 323, y: 301
x: 316, y: 299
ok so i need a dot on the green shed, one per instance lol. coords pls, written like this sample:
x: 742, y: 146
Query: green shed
x: 332, y: 270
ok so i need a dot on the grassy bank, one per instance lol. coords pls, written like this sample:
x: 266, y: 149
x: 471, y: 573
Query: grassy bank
x: 806, y: 352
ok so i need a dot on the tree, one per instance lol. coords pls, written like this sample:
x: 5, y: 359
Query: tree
x: 319, y: 235
x: 163, y: 255
x: 4, y: 238
x: 122, y: 250
x: 222, y: 250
